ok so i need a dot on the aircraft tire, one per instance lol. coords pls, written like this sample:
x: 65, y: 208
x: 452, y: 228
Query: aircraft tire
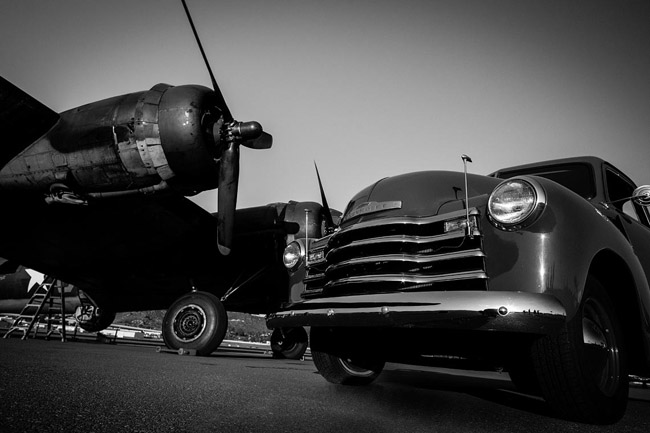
x: 103, y: 320
x: 289, y: 343
x: 196, y: 321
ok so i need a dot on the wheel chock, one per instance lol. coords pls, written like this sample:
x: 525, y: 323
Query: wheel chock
x: 181, y: 351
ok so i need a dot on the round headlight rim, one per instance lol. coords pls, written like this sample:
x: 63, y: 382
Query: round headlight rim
x: 300, y: 256
x: 531, y: 216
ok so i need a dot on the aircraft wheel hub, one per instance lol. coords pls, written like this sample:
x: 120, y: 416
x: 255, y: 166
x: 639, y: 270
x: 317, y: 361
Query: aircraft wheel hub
x: 189, y: 323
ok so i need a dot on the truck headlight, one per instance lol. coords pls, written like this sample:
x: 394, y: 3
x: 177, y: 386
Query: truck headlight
x: 293, y: 255
x: 516, y: 202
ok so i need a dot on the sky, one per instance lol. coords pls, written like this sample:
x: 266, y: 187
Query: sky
x: 366, y: 89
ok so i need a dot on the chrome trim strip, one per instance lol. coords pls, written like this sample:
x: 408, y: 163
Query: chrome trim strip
x: 411, y: 279
x: 410, y: 258
x: 372, y: 207
x: 404, y: 220
x: 313, y: 277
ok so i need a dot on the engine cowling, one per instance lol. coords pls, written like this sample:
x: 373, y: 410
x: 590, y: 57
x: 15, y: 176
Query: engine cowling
x: 139, y: 142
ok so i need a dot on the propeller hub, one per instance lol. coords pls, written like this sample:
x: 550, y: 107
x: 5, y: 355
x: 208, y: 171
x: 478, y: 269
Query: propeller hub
x: 244, y: 131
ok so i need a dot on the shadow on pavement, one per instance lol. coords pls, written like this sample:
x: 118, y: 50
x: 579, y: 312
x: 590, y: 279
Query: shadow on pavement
x: 493, y: 387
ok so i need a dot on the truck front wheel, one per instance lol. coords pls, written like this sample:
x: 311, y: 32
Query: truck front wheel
x: 582, y: 370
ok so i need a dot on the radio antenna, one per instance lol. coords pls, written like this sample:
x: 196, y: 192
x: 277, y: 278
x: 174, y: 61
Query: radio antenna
x: 466, y: 159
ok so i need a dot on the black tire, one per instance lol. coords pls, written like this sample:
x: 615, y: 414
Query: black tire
x: 102, y: 320
x: 197, y: 321
x: 289, y: 343
x: 353, y: 370
x: 582, y: 370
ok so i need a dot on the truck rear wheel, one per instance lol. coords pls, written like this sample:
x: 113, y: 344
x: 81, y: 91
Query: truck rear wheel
x: 583, y: 369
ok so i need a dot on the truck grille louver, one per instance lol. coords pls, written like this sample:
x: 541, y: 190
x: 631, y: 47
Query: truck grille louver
x: 394, y: 254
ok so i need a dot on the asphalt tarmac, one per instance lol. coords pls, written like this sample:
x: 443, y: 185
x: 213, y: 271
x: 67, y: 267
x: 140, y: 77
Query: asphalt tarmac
x: 51, y: 386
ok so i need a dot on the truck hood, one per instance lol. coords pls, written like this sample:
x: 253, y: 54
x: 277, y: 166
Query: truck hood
x: 418, y: 194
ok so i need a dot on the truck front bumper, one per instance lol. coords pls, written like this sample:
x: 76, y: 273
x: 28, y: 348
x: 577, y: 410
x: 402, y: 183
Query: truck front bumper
x: 462, y: 310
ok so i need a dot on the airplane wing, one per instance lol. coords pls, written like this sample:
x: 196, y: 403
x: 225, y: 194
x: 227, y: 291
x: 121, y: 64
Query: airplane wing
x: 23, y: 119
x: 140, y: 253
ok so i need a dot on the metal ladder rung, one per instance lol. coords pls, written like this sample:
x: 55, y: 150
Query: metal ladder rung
x: 38, y: 300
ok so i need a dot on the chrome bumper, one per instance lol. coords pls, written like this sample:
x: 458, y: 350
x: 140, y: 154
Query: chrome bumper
x: 463, y: 310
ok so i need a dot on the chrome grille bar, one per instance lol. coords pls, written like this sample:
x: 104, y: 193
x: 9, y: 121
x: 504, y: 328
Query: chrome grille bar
x: 399, y: 239
x: 408, y: 258
x: 403, y: 220
x: 408, y: 279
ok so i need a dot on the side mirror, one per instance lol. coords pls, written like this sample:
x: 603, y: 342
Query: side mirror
x: 641, y: 195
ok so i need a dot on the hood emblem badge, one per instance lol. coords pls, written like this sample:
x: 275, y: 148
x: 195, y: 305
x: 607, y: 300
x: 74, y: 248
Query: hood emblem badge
x: 372, y: 207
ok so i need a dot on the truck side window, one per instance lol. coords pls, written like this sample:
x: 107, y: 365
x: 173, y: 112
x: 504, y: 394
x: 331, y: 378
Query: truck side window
x: 619, y: 190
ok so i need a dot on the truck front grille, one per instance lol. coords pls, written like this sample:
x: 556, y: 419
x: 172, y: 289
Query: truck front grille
x: 396, y: 254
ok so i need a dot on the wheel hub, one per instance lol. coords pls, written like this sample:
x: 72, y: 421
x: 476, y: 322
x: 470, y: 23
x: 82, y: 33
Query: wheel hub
x: 355, y: 368
x: 189, y: 323
x: 600, y: 346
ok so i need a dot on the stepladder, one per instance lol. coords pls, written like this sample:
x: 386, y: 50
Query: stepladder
x: 47, y: 304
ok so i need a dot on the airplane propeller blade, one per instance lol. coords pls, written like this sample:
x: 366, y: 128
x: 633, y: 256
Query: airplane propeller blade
x: 221, y: 101
x: 232, y: 134
x: 227, y: 197
x: 327, y: 212
x: 264, y: 141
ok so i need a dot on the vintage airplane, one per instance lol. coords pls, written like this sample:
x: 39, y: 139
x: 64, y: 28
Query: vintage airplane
x: 96, y: 196
x: 252, y: 279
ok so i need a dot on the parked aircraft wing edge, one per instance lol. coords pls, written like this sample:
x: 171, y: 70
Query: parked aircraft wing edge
x: 23, y: 119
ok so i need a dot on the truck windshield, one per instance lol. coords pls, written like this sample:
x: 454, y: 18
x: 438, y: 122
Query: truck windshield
x: 579, y: 178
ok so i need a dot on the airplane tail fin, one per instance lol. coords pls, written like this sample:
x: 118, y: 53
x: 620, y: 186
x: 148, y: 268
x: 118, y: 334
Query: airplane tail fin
x: 23, y: 119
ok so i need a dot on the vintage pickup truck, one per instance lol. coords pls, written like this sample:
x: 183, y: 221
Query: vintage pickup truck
x: 541, y: 270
